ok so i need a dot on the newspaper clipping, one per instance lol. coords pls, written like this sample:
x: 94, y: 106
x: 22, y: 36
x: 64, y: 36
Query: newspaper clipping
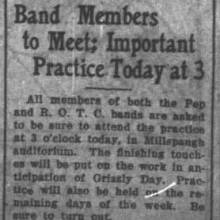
x: 109, y: 110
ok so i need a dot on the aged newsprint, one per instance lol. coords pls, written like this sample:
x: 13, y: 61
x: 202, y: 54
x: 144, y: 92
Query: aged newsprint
x: 110, y: 110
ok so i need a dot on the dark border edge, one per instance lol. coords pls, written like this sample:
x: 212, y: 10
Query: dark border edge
x: 213, y: 107
x: 5, y: 110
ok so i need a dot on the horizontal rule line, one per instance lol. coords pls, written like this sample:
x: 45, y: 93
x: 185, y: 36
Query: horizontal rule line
x: 108, y: 89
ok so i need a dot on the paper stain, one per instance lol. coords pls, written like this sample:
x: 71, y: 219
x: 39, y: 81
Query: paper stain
x: 161, y: 191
